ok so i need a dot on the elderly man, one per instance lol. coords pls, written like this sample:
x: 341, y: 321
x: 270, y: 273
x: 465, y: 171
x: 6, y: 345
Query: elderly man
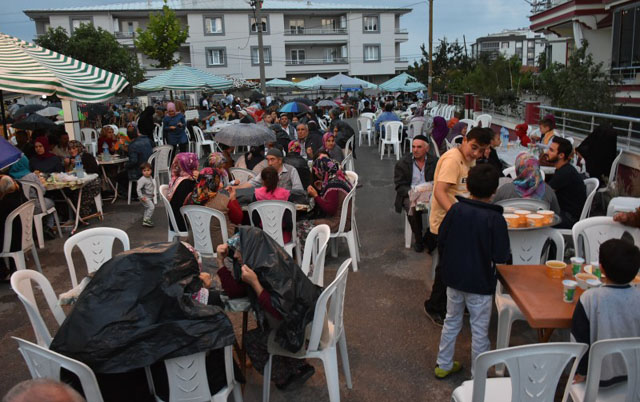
x: 414, y: 169
x: 287, y: 128
x: 309, y: 144
x: 287, y: 174
x: 42, y: 389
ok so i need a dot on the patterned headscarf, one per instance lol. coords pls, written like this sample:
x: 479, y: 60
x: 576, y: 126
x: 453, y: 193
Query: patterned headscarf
x: 182, y: 168
x: 217, y: 160
x: 77, y: 145
x: 528, y: 183
x: 207, y: 186
x: 440, y: 130
x: 329, y: 172
x: 325, y: 137
x: 294, y: 146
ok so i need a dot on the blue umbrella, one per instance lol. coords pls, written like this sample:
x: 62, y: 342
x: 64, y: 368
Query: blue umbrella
x: 294, y: 107
x: 8, y: 154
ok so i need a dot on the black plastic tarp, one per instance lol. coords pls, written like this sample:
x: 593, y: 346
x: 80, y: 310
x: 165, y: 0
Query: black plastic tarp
x: 137, y: 311
x: 292, y: 293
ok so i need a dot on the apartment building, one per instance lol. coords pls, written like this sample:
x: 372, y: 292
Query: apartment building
x: 525, y: 44
x: 301, y: 38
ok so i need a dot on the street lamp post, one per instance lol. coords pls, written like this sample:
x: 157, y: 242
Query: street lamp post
x: 257, y: 14
x: 430, y: 78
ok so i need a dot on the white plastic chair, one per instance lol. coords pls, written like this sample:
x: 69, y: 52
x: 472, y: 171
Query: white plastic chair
x: 526, y: 249
x: 414, y: 128
x: 347, y: 163
x: 529, y: 204
x: 365, y: 128
x: 271, y: 215
x: 322, y: 124
x: 511, y: 172
x: 22, y: 286
x: 37, y: 218
x: 201, y: 142
x: 392, y: 130
x: 613, y: 173
x: 484, y: 119
x: 470, y: 123
x: 589, y: 233
x: 96, y: 246
x: 348, y: 147
x: 352, y: 176
x: 628, y: 350
x: 434, y: 145
x: 592, y: 185
x: 89, y: 138
x: 199, y: 219
x: 315, y: 250
x: 164, y: 190
x: 188, y: 379
x: 351, y: 235
x: 158, y: 137
x: 535, y: 371
x: 45, y: 363
x: 241, y: 174
x: 25, y: 213
x: 333, y: 296
x: 163, y: 163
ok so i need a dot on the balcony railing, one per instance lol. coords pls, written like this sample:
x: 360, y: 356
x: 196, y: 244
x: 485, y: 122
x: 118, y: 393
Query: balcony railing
x: 626, y: 73
x: 315, y: 31
x: 538, y: 6
x: 400, y: 59
x: 124, y: 35
x: 402, y: 31
x: 310, y: 62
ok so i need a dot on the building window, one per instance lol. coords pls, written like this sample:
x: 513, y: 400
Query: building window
x: 328, y: 24
x: 626, y: 34
x: 531, y: 44
x: 76, y: 22
x: 504, y: 45
x: 213, y: 25
x: 216, y: 56
x: 330, y: 55
x: 254, y: 27
x: 297, y: 56
x: 371, y: 23
x: 255, y: 55
x: 490, y: 46
x: 296, y: 26
x: 371, y: 53
x: 130, y: 27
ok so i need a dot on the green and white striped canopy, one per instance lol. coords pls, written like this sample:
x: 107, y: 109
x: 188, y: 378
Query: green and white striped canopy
x: 29, y: 68
x: 184, y: 78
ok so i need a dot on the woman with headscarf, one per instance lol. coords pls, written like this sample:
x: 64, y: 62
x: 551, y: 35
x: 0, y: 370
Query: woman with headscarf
x: 184, y: 172
x: 44, y: 160
x: 329, y: 189
x: 253, y: 160
x: 145, y: 122
x: 220, y: 161
x: 91, y: 189
x: 528, y: 184
x: 456, y: 130
x: 439, y: 133
x: 330, y: 147
x: 207, y: 192
x: 173, y: 126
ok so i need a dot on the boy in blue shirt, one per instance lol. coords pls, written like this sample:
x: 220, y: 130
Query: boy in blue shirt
x: 472, y: 238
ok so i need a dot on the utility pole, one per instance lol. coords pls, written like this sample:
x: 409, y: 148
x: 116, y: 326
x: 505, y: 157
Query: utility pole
x: 257, y: 14
x: 430, y: 81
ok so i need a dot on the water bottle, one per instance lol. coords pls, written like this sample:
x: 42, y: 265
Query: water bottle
x: 504, y: 137
x: 79, y: 168
x: 106, y: 156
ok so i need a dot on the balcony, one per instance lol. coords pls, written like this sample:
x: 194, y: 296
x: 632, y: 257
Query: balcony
x: 402, y: 31
x: 315, y: 31
x: 316, y: 62
x: 538, y: 6
x: 124, y: 35
x: 401, y: 59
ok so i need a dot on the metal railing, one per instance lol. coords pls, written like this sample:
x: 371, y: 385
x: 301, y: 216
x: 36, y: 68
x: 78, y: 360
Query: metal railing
x: 538, y: 6
x: 315, y: 31
x: 581, y: 124
x: 402, y: 31
x: 124, y: 35
x: 336, y: 60
x: 626, y: 73
x: 511, y: 111
x: 458, y: 100
x: 400, y: 59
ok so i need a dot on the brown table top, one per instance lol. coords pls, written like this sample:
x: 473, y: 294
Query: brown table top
x: 538, y: 296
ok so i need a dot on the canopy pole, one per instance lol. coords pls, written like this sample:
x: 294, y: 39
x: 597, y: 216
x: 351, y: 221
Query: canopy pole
x: 71, y: 126
x: 4, y: 117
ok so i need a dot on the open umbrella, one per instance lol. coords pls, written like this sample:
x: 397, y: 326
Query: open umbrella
x: 306, y: 101
x: 249, y: 134
x: 327, y: 103
x: 294, y: 107
x: 28, y: 109
x: 8, y: 154
x: 402, y: 82
x: 35, y: 121
x: 49, y: 111
x: 311, y: 83
x: 184, y: 78
x: 281, y: 84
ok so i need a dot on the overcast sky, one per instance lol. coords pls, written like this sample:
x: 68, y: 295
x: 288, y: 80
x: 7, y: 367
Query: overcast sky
x: 452, y: 18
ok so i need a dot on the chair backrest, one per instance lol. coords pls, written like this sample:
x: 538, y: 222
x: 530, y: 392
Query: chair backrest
x: 592, y: 185
x: 348, y: 147
x: 271, y: 215
x: 371, y: 116
x: 470, y: 123
x: 485, y: 119
x: 322, y: 124
x: 157, y: 134
x: 527, y: 245
x: 315, y: 248
x: 363, y: 124
x: 241, y: 174
x: 199, y: 218
x: 594, y: 231
x: 25, y: 213
x: 45, y: 363
x: 88, y: 135
x: 21, y: 284
x: 347, y: 162
x: 434, y: 145
x: 348, y: 205
x: 163, y: 160
x: 198, y: 133
x: 352, y: 177
x: 333, y: 296
x: 628, y: 351
x: 613, y: 173
x: 534, y: 369
x: 96, y: 246
x: 414, y: 128
x: 164, y: 192
x: 529, y: 204
x: 392, y: 130
x: 26, y: 189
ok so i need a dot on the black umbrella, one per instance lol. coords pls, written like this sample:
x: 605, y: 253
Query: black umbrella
x: 27, y: 110
x: 306, y: 101
x: 255, y: 96
x: 35, y: 121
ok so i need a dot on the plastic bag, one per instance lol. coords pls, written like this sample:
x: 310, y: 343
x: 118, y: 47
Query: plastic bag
x: 137, y: 311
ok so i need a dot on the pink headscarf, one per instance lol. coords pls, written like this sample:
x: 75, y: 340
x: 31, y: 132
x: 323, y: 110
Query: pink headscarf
x: 182, y: 168
x: 325, y: 137
x: 171, y: 107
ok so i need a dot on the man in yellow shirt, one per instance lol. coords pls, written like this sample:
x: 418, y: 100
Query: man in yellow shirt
x: 450, y: 180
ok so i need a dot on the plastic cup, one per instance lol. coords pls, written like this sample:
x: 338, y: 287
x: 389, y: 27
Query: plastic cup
x: 576, y: 264
x: 535, y: 220
x: 593, y: 283
x: 547, y: 215
x: 513, y: 220
x: 596, y: 269
x: 582, y: 278
x: 568, y: 290
x: 555, y: 269
x: 522, y: 214
x: 509, y: 210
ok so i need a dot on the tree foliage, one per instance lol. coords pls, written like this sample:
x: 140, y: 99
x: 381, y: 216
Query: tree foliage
x: 96, y: 47
x: 450, y: 62
x: 162, y: 38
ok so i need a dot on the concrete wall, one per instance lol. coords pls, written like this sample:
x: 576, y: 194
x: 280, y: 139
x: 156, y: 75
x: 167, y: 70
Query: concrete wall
x: 599, y: 45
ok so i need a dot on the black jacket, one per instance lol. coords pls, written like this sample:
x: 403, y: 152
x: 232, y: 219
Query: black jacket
x: 472, y: 238
x: 313, y: 140
x: 301, y: 166
x: 403, y: 173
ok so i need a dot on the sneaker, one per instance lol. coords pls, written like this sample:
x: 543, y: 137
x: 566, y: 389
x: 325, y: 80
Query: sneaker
x: 440, y: 373
x: 147, y: 222
x: 436, y: 318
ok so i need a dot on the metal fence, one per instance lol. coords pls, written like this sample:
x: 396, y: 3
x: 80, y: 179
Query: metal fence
x: 511, y: 111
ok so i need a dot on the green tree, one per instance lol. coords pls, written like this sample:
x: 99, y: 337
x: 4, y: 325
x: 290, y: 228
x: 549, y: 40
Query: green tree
x: 450, y: 63
x: 96, y: 47
x: 162, y: 38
